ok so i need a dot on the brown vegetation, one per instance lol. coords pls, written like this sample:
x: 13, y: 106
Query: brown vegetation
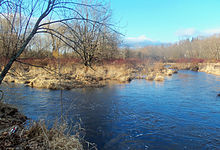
x: 14, y: 135
x: 73, y: 75
x: 10, y: 116
x: 37, y: 136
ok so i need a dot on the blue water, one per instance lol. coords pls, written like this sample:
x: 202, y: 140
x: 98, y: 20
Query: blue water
x: 182, y: 112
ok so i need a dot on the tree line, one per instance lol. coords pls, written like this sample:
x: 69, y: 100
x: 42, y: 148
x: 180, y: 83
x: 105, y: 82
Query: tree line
x: 207, y: 48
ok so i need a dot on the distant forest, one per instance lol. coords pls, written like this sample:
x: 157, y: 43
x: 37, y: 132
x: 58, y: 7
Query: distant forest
x: 203, y: 48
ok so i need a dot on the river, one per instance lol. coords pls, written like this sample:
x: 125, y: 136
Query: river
x: 182, y: 112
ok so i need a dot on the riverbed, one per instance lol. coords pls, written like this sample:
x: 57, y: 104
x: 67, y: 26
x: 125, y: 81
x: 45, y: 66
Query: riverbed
x: 183, y: 112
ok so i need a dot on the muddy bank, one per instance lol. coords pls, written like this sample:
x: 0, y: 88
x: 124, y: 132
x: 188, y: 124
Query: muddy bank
x: 14, y: 135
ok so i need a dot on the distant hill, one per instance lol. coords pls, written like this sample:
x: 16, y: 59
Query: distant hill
x: 139, y: 43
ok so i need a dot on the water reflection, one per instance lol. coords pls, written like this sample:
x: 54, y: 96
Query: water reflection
x: 180, y: 113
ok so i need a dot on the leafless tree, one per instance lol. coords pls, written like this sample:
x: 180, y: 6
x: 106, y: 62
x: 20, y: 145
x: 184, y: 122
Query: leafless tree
x: 26, y: 18
x: 91, y: 39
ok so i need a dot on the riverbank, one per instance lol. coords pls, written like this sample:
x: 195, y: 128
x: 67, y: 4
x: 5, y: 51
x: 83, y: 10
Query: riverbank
x: 211, y: 68
x: 15, y: 135
x: 71, y: 76
x: 79, y: 76
x: 155, y: 72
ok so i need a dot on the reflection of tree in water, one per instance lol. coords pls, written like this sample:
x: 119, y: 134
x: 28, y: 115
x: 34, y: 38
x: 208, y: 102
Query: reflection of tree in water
x: 94, y: 107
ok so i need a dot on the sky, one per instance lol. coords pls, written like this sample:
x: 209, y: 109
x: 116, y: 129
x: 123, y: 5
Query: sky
x: 166, y: 20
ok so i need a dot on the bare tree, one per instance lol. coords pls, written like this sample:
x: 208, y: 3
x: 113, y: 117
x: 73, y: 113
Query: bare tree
x: 91, y: 39
x: 25, y: 19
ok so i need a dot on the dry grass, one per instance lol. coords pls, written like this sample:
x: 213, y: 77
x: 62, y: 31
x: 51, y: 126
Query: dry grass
x: 73, y: 75
x: 55, y: 138
x: 37, y: 136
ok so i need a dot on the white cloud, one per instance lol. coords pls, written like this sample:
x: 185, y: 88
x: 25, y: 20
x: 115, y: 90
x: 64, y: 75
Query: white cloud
x: 191, y: 32
x: 186, y: 32
x: 212, y: 31
x: 141, y: 38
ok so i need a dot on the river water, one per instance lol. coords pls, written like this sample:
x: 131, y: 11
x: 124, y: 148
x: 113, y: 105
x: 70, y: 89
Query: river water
x: 182, y: 112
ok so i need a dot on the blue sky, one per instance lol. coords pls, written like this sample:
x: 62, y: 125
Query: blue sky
x: 166, y: 20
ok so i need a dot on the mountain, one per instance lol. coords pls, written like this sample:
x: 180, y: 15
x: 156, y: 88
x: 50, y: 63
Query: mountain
x: 139, y: 42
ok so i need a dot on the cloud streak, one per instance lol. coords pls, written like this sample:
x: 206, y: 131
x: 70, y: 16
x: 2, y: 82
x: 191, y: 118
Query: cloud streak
x: 192, y: 32
x: 186, y: 32
x: 141, y: 38
x: 212, y: 31
x: 140, y: 41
